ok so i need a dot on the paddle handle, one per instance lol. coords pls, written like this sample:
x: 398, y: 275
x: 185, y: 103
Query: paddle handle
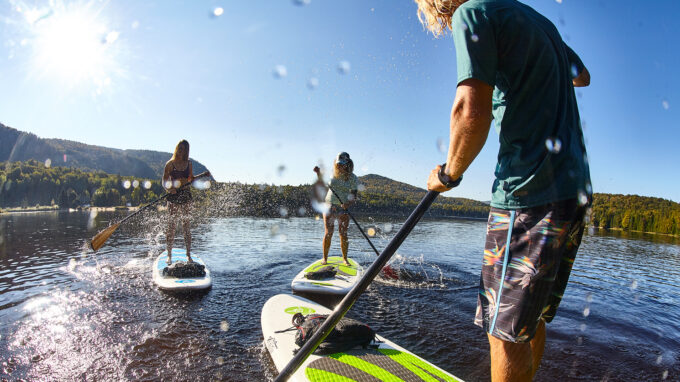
x: 358, y: 289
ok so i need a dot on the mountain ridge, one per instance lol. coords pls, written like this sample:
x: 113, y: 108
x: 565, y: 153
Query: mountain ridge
x: 19, y: 146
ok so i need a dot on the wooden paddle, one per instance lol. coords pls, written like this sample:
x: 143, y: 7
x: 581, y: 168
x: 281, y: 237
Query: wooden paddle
x: 387, y: 271
x: 99, y: 239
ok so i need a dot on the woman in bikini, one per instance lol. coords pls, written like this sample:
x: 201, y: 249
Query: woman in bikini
x: 178, y: 172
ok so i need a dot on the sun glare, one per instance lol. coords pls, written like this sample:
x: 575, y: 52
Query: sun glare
x: 73, y: 45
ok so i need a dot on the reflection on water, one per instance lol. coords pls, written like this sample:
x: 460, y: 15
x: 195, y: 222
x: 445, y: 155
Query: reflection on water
x: 69, y: 314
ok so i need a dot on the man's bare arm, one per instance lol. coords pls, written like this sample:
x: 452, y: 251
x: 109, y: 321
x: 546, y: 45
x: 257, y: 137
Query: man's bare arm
x: 470, y: 123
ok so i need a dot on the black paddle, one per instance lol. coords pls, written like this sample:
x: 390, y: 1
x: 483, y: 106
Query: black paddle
x: 99, y: 239
x: 358, y: 289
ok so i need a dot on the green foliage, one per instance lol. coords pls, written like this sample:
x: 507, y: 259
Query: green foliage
x: 636, y: 213
x: 31, y: 182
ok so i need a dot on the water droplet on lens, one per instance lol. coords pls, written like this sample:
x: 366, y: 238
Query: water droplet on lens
x: 48, y: 162
x: 664, y: 375
x: 554, y: 145
x: 312, y: 83
x: 659, y: 359
x: 583, y: 327
x: 582, y: 198
x: 371, y: 232
x: 302, y: 211
x: 72, y: 264
x: 301, y: 2
x: 361, y: 187
x: 586, y: 312
x: 474, y: 38
x: 126, y: 184
x: 135, y: 183
x: 220, y: 361
x: 665, y: 104
x: 559, y: 1
x: 579, y: 340
x: 135, y: 24
x: 280, y: 71
x: 589, y: 297
x: 147, y: 184
x: 224, y: 326
x: 387, y: 228
x: 111, y: 37
x: 280, y: 170
x: 464, y: 27
x: 574, y: 71
x: 589, y: 189
x: 633, y: 285
x: 442, y: 145
x: 283, y: 211
x: 218, y: 11
x: 176, y: 183
x: 344, y: 67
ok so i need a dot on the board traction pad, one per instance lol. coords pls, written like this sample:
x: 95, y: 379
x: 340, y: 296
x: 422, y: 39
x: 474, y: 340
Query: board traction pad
x: 337, y: 263
x: 373, y: 366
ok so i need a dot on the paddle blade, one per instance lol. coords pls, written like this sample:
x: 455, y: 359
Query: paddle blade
x: 99, y: 239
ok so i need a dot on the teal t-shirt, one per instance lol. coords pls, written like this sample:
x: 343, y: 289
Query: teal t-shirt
x: 343, y: 188
x: 510, y: 46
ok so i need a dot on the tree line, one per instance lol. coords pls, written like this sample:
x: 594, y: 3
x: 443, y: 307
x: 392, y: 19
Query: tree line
x: 32, y: 183
x: 636, y: 213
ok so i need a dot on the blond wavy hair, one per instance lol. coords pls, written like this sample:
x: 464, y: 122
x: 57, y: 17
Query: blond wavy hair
x: 184, y: 157
x: 435, y: 15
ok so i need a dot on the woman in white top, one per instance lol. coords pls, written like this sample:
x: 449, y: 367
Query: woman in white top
x: 344, y: 183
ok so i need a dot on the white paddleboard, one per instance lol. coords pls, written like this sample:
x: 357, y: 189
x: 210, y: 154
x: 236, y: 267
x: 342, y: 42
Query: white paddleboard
x: 389, y: 362
x: 179, y: 284
x: 345, y: 279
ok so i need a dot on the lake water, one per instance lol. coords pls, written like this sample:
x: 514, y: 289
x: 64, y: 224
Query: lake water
x: 69, y: 314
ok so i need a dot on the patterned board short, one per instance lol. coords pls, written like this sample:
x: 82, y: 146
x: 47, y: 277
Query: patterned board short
x: 543, y: 242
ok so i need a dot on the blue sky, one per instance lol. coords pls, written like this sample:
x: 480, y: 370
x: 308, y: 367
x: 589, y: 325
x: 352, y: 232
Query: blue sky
x: 266, y: 90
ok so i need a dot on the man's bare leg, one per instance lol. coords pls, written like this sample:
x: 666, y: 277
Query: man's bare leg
x: 510, y: 361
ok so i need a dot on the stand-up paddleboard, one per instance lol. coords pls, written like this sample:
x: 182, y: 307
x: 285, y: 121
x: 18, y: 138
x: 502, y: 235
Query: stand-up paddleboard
x: 179, y: 284
x: 345, y: 278
x: 387, y: 362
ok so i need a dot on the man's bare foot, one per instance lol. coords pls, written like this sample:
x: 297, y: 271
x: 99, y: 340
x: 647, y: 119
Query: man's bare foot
x: 324, y: 262
x: 347, y: 263
x: 189, y: 260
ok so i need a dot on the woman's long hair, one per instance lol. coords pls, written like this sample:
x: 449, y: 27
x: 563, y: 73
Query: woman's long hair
x: 435, y: 15
x: 339, y: 173
x: 185, y: 157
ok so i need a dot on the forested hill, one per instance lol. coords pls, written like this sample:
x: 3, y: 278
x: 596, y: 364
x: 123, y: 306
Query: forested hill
x: 18, y: 146
x: 384, y: 194
x: 636, y: 213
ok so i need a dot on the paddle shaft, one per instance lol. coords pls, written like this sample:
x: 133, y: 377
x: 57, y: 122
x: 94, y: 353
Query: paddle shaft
x: 358, y: 289
x: 354, y: 220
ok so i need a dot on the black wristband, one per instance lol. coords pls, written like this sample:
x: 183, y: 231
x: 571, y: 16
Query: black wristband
x: 446, y: 180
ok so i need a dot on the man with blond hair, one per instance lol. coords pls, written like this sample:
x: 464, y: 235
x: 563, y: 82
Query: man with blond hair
x: 514, y: 67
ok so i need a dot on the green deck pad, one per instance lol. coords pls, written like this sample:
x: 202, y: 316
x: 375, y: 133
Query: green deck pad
x: 322, y: 284
x: 336, y: 262
x: 373, y: 366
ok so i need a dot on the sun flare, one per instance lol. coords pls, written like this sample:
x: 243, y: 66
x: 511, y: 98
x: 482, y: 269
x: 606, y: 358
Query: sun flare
x: 73, y: 45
